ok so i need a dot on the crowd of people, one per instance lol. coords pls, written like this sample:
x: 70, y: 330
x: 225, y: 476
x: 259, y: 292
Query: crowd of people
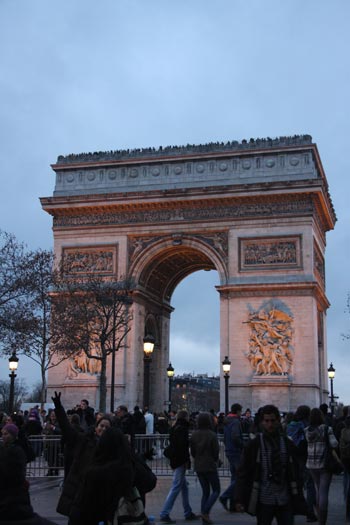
x: 278, y: 465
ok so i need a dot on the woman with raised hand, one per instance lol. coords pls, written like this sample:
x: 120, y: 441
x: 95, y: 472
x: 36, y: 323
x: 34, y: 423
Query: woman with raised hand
x: 82, y: 446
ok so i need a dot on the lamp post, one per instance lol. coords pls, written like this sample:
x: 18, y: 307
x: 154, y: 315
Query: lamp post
x: 13, y: 365
x: 331, y: 374
x: 170, y: 373
x: 226, y: 367
x: 148, y: 346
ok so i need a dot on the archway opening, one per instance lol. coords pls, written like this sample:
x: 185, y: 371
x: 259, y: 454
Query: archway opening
x: 195, y: 342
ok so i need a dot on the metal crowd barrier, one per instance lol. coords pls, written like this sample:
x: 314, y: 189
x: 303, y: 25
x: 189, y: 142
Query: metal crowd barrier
x: 49, y: 456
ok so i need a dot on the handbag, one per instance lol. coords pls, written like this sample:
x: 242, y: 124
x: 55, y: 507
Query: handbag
x: 332, y: 462
x: 130, y: 510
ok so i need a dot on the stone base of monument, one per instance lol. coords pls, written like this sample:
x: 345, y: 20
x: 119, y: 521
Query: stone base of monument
x: 271, y: 390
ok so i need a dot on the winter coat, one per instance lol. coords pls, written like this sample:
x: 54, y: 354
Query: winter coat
x: 249, y: 474
x: 82, y: 446
x: 205, y: 450
x: 179, y: 442
x: 316, y: 445
x: 14, y: 495
x: 101, y: 489
x: 233, y: 437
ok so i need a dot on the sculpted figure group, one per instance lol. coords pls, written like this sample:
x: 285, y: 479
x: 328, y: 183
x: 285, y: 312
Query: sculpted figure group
x: 270, y: 350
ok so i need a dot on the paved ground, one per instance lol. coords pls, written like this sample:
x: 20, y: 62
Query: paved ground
x: 45, y: 493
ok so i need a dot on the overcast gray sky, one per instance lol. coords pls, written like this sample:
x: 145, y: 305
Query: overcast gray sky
x: 87, y: 76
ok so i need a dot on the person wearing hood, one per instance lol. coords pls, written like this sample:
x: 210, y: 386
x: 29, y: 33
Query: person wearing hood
x: 179, y: 462
x: 316, y: 437
x: 233, y: 438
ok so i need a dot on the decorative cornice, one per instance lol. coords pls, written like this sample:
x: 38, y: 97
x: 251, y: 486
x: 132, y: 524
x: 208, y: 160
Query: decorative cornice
x: 276, y: 290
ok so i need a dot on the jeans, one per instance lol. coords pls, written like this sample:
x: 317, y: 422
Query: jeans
x: 266, y: 513
x: 322, y: 480
x: 179, y: 485
x: 208, y: 480
x: 234, y: 460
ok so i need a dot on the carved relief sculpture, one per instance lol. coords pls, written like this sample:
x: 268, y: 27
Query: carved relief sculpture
x: 270, y: 342
x: 270, y: 253
x: 82, y: 364
x: 90, y: 260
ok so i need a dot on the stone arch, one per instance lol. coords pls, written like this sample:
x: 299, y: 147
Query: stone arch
x: 163, y: 264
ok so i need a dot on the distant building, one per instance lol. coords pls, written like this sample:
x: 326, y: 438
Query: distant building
x: 195, y: 392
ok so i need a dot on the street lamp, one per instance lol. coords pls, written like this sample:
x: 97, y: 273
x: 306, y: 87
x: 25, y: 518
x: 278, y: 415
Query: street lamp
x: 331, y: 374
x: 226, y: 367
x: 13, y: 365
x: 170, y: 373
x: 148, y: 346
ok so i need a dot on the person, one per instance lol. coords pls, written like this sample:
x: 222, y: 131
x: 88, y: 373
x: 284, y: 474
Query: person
x: 83, y: 448
x: 247, y: 422
x: 68, y: 452
x: 296, y: 431
x: 344, y: 449
x: 268, y: 482
x: 149, y: 419
x: 124, y: 421
x: 52, y: 448
x: 204, y: 447
x: 33, y: 428
x: 15, y: 505
x: 139, y: 421
x: 328, y: 419
x: 109, y: 476
x: 179, y: 462
x: 316, y: 437
x: 86, y: 415
x: 233, y: 439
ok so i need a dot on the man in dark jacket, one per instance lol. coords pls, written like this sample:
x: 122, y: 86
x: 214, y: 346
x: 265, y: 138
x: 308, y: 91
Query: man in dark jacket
x: 179, y: 462
x: 233, y: 439
x: 86, y: 415
x: 269, y: 483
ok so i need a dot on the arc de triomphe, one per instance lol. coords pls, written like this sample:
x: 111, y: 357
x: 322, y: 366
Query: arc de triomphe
x: 257, y: 212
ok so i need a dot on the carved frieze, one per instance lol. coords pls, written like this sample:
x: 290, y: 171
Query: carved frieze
x: 270, y: 253
x: 270, y: 339
x: 87, y: 260
x: 185, y: 212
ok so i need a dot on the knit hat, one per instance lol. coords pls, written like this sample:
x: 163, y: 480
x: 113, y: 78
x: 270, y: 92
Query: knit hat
x: 11, y: 429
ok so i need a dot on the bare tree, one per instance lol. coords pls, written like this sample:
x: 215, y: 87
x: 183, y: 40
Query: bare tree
x: 20, y: 392
x: 15, y: 281
x: 29, y: 330
x: 94, y: 317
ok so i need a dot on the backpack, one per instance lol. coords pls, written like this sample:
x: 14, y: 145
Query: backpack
x: 295, y: 431
x: 344, y: 443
